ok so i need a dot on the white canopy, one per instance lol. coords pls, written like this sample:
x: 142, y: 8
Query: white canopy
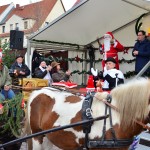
x: 91, y: 19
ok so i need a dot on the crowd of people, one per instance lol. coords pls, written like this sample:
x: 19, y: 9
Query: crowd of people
x: 110, y: 74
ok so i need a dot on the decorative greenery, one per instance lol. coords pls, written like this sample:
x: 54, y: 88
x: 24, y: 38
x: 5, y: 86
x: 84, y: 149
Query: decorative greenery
x: 138, y: 25
x: 78, y: 59
x: 129, y: 74
x: 60, y: 43
x: 8, y: 56
x: 13, y: 114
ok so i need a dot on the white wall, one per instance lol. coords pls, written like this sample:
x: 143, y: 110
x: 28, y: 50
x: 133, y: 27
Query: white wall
x: 55, y: 12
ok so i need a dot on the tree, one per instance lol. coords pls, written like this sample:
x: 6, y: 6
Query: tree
x: 8, y: 55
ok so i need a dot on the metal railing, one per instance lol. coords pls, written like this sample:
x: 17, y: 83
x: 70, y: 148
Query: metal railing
x: 143, y: 70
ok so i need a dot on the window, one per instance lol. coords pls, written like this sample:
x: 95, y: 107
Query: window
x: 3, y: 29
x: 17, y: 25
x: 11, y: 26
x: 25, y: 25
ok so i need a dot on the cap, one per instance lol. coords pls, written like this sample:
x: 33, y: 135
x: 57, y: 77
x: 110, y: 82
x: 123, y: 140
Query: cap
x: 110, y: 59
x: 54, y: 64
x: 19, y: 56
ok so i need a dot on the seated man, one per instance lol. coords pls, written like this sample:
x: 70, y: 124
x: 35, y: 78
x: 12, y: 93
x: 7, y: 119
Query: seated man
x: 111, y: 76
x: 22, y: 70
x: 43, y: 72
x: 59, y: 75
x: 5, y: 83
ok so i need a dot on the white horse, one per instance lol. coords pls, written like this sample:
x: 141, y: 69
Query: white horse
x: 51, y: 108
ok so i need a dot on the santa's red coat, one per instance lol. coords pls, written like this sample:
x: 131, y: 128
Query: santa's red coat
x: 113, y: 52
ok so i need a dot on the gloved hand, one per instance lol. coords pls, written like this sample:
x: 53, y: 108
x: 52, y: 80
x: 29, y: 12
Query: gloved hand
x: 94, y: 72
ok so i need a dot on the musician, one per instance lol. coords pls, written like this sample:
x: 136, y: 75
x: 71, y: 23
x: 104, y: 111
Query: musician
x: 59, y: 75
x: 43, y: 72
x: 5, y: 83
x: 21, y: 70
x: 111, y: 76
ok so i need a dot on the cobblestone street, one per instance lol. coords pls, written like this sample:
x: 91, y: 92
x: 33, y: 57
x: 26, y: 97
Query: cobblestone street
x: 24, y: 147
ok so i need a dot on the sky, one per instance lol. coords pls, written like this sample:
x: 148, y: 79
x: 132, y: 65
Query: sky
x: 67, y: 3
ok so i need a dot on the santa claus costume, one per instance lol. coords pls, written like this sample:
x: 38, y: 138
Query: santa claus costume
x: 110, y: 48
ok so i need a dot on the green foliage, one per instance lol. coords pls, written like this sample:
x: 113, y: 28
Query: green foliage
x: 8, y: 55
x: 11, y: 118
x: 138, y: 24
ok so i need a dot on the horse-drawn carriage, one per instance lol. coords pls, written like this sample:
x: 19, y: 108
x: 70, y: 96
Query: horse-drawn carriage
x: 51, y: 108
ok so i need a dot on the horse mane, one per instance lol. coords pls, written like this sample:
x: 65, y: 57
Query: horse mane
x: 132, y: 100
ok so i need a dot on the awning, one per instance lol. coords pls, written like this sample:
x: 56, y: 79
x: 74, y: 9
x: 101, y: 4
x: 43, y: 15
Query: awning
x: 91, y: 19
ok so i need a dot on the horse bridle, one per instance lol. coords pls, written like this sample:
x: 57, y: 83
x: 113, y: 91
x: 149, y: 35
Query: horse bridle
x: 102, y: 142
x: 144, y: 126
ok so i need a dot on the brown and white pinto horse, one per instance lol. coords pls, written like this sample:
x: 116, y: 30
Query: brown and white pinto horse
x: 50, y: 108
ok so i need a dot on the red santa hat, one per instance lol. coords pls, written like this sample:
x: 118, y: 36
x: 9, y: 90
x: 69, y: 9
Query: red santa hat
x: 1, y: 54
x: 90, y: 83
x: 110, y: 34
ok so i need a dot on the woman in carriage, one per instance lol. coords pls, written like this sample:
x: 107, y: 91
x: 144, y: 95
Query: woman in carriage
x: 57, y: 74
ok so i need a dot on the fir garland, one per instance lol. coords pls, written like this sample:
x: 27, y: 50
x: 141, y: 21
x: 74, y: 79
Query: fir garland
x: 12, y: 116
x: 58, y: 59
x: 126, y: 75
x: 138, y: 25
x: 54, y: 42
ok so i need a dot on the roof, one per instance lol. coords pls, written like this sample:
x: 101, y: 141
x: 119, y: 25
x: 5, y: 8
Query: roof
x: 91, y: 18
x: 2, y: 8
x: 37, y: 11
x: 77, y: 2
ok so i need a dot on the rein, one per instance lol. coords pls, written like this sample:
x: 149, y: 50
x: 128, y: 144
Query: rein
x: 116, y: 109
x: 73, y: 91
x: 114, y: 142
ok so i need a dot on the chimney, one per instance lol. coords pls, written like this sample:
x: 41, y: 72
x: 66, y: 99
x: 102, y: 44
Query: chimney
x: 17, y: 6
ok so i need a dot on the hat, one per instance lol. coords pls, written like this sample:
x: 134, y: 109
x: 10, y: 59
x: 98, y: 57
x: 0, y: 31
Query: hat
x: 19, y: 56
x: 54, y: 64
x: 110, y: 59
x: 110, y: 34
x: 90, y: 83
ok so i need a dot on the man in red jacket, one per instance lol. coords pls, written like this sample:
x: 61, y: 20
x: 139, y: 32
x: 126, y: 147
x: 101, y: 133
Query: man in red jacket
x: 110, y: 48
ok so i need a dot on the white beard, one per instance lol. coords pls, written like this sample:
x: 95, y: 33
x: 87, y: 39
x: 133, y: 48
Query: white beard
x: 106, y: 44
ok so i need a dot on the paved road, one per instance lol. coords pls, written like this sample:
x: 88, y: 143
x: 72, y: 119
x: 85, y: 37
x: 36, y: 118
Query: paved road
x: 144, y: 135
x: 24, y: 147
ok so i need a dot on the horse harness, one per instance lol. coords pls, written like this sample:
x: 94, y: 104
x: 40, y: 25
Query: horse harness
x: 103, y: 142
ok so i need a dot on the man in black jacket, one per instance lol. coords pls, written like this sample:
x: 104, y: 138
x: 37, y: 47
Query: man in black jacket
x: 20, y: 69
